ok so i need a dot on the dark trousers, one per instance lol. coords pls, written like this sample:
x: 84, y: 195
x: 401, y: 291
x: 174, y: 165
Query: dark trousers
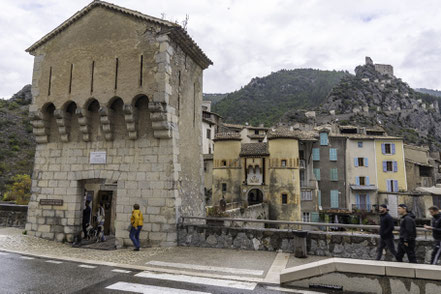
x: 436, y: 252
x: 85, y: 230
x: 134, y: 236
x: 389, y: 243
x: 409, y: 250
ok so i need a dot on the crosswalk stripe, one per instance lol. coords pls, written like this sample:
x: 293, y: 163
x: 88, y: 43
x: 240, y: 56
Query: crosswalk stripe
x: 207, y: 268
x: 26, y: 257
x: 292, y: 290
x: 121, y: 271
x: 140, y: 288
x: 198, y: 280
x: 86, y: 266
x: 53, y: 261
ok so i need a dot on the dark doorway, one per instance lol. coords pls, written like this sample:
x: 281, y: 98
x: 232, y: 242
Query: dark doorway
x: 106, y: 198
x: 255, y: 196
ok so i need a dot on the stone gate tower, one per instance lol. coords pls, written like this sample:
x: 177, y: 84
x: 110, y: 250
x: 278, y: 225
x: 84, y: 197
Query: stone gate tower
x: 116, y: 113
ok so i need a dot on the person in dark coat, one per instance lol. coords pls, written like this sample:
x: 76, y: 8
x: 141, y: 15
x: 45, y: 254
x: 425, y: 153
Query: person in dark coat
x: 407, y: 235
x: 436, y: 233
x: 386, y: 232
x: 86, y: 218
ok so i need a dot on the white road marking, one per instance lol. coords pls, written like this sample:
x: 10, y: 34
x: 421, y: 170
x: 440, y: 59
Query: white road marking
x: 53, y: 261
x: 147, y: 289
x: 279, y: 264
x: 26, y: 257
x: 292, y: 290
x: 198, y: 280
x: 86, y: 266
x: 121, y: 271
x: 207, y: 268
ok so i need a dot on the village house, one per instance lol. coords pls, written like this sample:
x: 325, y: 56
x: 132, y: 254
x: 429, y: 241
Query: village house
x: 116, y: 112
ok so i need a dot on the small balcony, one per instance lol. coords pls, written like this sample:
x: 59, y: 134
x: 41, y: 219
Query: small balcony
x: 363, y: 207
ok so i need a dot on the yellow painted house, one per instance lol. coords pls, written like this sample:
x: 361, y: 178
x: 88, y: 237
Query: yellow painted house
x: 391, y: 171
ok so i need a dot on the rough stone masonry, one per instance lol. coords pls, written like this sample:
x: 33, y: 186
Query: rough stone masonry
x: 116, y: 113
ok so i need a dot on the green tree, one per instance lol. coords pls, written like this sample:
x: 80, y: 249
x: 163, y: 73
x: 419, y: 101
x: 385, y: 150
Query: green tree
x: 20, y: 190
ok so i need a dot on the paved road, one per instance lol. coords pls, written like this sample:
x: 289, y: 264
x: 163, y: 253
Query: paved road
x: 24, y: 274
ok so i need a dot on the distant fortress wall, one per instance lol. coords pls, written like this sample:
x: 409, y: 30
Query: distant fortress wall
x: 384, y: 69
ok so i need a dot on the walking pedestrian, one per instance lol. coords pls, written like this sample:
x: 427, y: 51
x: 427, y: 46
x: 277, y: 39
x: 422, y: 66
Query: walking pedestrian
x: 101, y: 218
x: 86, y: 218
x: 137, y: 221
x: 386, y: 232
x: 407, y: 234
x: 436, y: 232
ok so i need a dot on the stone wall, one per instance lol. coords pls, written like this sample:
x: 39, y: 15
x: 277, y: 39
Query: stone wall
x: 12, y: 215
x: 318, y: 243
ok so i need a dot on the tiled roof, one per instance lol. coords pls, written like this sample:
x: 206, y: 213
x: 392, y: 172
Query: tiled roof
x: 175, y: 31
x: 294, y: 134
x: 254, y: 136
x: 227, y: 136
x: 208, y: 156
x: 363, y: 188
x: 254, y: 149
x: 233, y: 126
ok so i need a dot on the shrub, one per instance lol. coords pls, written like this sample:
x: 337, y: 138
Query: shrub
x: 20, y: 190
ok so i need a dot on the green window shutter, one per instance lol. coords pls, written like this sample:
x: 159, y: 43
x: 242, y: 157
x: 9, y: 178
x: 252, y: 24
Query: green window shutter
x: 317, y: 173
x: 319, y: 195
x: 334, y: 198
x: 315, y: 218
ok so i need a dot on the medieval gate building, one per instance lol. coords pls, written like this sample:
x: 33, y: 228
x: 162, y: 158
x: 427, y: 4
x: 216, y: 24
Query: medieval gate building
x: 117, y: 117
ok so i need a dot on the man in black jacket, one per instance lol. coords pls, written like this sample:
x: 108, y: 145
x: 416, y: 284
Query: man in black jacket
x: 86, y: 218
x: 436, y: 232
x: 386, y: 235
x: 407, y: 235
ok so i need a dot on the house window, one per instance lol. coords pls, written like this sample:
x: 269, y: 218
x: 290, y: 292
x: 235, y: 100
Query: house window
x: 334, y: 198
x: 283, y: 163
x: 323, y: 139
x: 437, y: 201
x: 205, y: 166
x: 362, y: 181
x: 334, y: 174
x: 316, y: 154
x: 208, y: 134
x: 360, y: 144
x: 363, y: 202
x: 317, y: 174
x: 332, y: 154
x: 388, y: 148
x: 256, y: 132
x: 224, y: 187
x: 360, y: 161
x: 284, y: 198
x: 306, y: 195
x: 224, y: 163
x: 390, y: 166
x: 306, y: 217
x: 392, y: 185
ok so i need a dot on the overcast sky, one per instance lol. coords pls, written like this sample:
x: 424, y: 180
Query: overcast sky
x: 249, y: 38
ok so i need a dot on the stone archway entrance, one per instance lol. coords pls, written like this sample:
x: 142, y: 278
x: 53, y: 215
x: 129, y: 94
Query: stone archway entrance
x: 255, y: 196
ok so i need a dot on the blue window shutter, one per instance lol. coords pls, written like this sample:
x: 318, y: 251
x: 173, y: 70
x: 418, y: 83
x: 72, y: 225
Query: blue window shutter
x: 383, y: 148
x: 393, y: 148
x: 395, y: 186
x: 334, y: 174
x: 319, y: 195
x: 368, y: 202
x: 356, y: 161
x: 367, y: 181
x: 395, y: 166
x: 323, y: 139
x: 365, y: 161
x: 384, y: 166
x: 334, y: 198
x: 389, y: 188
x: 357, y: 200
x: 316, y: 154
x: 357, y: 181
x: 333, y: 154
x: 317, y: 174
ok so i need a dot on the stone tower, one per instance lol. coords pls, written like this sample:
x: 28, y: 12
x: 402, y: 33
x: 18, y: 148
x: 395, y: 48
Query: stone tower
x: 116, y: 114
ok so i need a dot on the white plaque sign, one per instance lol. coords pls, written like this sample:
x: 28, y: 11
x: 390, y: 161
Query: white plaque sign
x: 98, y: 157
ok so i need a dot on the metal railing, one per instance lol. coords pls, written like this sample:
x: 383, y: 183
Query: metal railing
x: 294, y: 223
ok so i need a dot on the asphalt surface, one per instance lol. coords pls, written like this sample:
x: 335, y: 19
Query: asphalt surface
x: 24, y: 274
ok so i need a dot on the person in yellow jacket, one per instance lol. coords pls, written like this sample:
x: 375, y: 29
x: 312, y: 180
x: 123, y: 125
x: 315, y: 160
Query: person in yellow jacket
x: 136, y: 221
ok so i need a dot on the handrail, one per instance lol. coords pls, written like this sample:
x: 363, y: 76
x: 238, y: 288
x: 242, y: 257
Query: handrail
x: 246, y: 220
